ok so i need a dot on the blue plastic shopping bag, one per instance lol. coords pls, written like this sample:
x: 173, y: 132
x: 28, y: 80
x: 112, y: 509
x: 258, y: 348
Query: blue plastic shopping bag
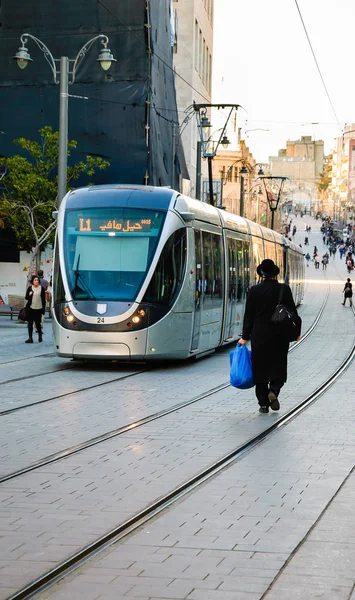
x: 241, y: 373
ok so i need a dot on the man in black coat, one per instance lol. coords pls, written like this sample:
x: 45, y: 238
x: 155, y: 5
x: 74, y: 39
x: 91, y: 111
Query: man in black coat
x: 269, y: 348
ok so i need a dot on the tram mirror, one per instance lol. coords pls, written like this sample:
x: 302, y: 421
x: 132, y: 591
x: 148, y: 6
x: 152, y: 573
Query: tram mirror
x: 55, y: 215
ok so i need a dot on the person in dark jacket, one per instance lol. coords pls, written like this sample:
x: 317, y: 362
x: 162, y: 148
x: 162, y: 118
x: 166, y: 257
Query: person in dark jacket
x: 269, y: 349
x: 348, y: 292
x: 35, y: 306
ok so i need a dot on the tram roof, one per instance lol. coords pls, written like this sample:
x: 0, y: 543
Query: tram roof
x: 133, y: 196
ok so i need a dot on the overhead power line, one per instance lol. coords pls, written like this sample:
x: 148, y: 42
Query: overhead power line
x: 315, y: 60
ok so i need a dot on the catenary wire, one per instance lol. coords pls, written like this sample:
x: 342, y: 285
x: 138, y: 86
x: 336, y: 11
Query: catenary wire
x: 317, y: 65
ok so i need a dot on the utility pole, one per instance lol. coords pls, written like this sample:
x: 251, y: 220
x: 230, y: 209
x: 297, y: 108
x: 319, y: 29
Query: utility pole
x: 198, y: 171
x: 241, y: 208
x: 210, y: 179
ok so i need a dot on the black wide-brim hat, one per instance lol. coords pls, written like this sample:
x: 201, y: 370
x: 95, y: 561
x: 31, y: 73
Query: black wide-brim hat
x: 267, y: 268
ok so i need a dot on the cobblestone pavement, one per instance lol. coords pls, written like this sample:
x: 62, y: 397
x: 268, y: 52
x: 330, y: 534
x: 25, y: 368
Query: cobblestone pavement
x: 84, y: 414
x: 253, y: 515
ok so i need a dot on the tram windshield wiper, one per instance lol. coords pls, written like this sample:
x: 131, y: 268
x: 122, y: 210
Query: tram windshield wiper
x: 84, y: 286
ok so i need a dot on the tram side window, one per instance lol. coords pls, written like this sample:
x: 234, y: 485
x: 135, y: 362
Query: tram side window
x: 280, y: 260
x: 246, y: 267
x: 258, y: 253
x: 240, y: 271
x: 233, y: 269
x: 58, y: 287
x: 217, y: 284
x: 236, y: 281
x: 213, y: 270
x: 269, y: 250
x: 198, y: 258
x: 208, y: 275
x: 170, y: 270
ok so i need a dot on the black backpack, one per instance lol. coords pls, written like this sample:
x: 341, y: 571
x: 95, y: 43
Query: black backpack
x: 287, y: 324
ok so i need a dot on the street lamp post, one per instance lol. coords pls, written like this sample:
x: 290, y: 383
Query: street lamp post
x: 256, y: 198
x: 272, y: 198
x: 207, y: 152
x: 244, y: 172
x: 23, y: 57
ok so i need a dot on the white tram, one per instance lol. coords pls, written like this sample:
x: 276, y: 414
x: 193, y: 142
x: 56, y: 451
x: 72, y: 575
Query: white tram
x: 144, y: 273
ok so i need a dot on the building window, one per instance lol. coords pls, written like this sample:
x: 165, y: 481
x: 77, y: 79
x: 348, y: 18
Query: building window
x: 206, y: 68
x: 196, y: 43
x: 200, y: 51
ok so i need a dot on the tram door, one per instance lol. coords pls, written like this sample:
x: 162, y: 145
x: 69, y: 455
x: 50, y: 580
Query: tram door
x: 209, y: 267
x: 198, y: 292
x: 235, y: 287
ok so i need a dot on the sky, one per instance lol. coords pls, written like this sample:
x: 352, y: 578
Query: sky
x: 262, y: 61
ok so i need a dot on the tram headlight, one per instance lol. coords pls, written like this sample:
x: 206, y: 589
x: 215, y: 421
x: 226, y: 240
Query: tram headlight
x: 69, y: 316
x: 141, y: 312
x: 135, y: 319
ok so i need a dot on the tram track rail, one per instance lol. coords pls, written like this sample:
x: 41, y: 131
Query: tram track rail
x: 25, y: 358
x: 121, y: 531
x: 34, y: 375
x: 67, y: 394
x: 66, y: 453
x: 8, y: 411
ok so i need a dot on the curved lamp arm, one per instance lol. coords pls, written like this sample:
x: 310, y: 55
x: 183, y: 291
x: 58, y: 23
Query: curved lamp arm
x: 47, y: 53
x: 82, y: 52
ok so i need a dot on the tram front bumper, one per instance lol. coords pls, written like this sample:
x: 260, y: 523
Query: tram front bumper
x: 101, y: 350
x: 97, y: 345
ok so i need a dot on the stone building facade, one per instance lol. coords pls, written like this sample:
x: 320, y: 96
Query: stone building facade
x: 193, y: 54
x: 303, y: 162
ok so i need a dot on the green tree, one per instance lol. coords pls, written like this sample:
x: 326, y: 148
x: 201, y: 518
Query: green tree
x: 325, y: 178
x: 29, y: 188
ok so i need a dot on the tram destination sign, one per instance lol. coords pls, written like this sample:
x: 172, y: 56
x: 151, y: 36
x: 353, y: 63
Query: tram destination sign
x: 120, y: 225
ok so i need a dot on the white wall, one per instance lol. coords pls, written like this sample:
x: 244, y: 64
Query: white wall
x: 13, y: 276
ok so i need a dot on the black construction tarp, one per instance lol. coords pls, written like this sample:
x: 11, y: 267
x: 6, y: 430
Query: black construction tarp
x: 130, y: 117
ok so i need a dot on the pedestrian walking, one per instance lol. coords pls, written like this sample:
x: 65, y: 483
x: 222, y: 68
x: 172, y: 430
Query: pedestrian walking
x: 315, y: 251
x: 348, y: 292
x: 306, y: 242
x: 35, y: 307
x: 269, y: 348
x: 325, y: 262
x: 316, y: 261
x: 49, y: 291
x: 294, y: 230
x: 44, y: 283
x: 308, y: 258
x: 349, y: 264
x: 42, y: 280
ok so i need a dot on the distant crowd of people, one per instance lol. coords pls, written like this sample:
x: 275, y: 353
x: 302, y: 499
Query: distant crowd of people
x: 333, y: 243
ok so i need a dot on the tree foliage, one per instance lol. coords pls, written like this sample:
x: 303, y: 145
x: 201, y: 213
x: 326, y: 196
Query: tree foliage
x: 28, y: 193
x: 325, y: 178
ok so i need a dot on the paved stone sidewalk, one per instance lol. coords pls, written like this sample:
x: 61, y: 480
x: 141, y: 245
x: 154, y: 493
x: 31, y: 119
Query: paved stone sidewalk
x: 84, y: 414
x: 230, y: 539
x: 324, y: 565
x: 40, y: 534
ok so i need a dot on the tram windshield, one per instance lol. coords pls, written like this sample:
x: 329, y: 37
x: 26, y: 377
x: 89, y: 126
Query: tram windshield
x: 108, y: 251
